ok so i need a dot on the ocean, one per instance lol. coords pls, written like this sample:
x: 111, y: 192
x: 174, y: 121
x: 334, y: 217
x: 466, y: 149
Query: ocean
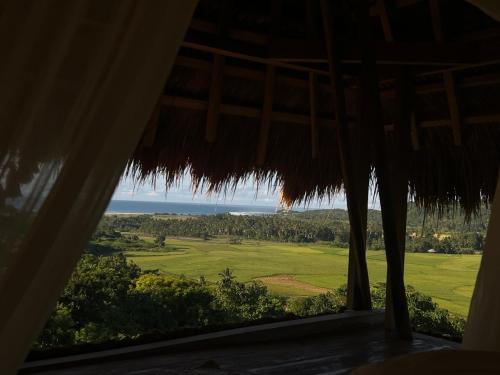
x: 123, y: 206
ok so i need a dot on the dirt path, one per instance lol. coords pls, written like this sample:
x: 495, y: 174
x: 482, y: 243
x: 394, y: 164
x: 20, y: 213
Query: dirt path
x: 289, y: 281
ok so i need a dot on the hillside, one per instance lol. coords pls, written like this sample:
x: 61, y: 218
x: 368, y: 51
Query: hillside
x: 448, y: 233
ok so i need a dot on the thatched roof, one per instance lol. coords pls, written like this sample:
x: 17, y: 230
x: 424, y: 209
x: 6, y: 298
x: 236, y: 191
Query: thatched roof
x: 250, y: 94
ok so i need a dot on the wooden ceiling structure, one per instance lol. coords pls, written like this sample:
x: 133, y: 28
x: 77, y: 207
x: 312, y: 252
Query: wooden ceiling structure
x: 319, y: 95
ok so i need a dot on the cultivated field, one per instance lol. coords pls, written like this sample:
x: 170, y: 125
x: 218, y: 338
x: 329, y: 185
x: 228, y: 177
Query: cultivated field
x: 299, y: 270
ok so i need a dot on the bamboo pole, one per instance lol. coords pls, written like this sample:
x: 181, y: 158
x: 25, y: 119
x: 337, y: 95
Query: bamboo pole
x: 390, y: 187
x: 313, y: 104
x: 358, y: 236
x: 266, y: 116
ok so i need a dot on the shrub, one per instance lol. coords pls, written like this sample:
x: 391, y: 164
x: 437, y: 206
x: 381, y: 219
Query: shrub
x: 425, y: 315
x: 241, y: 302
x: 327, y: 303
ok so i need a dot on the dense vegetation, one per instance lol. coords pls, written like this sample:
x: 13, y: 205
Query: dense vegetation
x: 108, y: 298
x: 111, y: 299
x: 449, y: 233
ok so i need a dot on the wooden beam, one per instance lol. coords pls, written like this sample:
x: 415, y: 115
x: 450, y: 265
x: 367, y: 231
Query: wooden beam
x: 451, y: 94
x: 292, y: 118
x: 307, y: 50
x: 267, y: 110
x: 242, y: 111
x: 149, y: 134
x: 437, y: 25
x: 214, y: 99
x: 451, y: 54
x: 256, y: 59
x: 358, y: 238
x: 383, y: 13
x: 398, y: 161
x: 313, y: 107
x: 415, y: 133
x: 448, y: 78
x: 254, y: 74
x: 262, y: 38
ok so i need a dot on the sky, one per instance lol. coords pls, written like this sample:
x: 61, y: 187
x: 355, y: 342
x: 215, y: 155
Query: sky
x: 245, y: 194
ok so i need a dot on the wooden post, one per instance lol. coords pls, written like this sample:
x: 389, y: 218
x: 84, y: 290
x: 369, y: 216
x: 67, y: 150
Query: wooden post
x: 452, y: 95
x: 214, y: 99
x: 313, y: 105
x: 397, y: 158
x: 362, y: 175
x: 362, y: 299
x: 392, y: 194
x: 397, y: 165
x: 266, y: 116
x: 385, y: 20
x: 448, y: 78
x: 267, y: 107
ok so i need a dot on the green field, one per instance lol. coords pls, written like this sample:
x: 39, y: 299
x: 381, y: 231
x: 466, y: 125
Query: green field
x: 299, y: 270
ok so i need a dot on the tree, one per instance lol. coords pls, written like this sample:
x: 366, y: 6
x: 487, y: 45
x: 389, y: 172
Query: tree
x: 59, y: 330
x: 98, y: 289
x: 243, y: 302
x: 160, y: 240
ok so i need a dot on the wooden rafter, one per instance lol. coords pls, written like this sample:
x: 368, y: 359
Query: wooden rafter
x: 293, y: 118
x: 260, y: 38
x: 255, y: 74
x: 150, y: 131
x: 256, y: 59
x: 243, y: 111
x: 448, y: 78
x: 455, y: 117
x: 304, y: 50
x: 415, y: 138
x: 313, y: 105
x: 267, y: 104
x: 214, y: 99
x: 383, y: 13
x: 456, y: 54
x: 266, y: 116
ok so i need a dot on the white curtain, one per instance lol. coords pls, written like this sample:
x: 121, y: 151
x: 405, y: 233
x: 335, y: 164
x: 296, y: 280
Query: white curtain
x: 78, y: 82
x: 483, y: 325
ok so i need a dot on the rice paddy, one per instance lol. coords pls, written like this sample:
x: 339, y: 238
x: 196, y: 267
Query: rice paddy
x: 292, y: 269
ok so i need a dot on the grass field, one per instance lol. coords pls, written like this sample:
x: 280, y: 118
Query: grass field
x: 300, y: 270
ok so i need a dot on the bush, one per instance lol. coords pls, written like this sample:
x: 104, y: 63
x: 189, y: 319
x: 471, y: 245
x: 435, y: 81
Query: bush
x: 241, y: 302
x: 171, y: 302
x: 110, y: 299
x: 425, y: 315
x: 59, y: 330
x: 327, y: 303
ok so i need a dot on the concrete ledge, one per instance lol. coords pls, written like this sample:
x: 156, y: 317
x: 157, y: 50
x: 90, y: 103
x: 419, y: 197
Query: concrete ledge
x: 334, y: 323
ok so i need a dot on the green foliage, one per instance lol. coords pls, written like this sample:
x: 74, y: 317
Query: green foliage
x: 425, y: 315
x: 423, y: 232
x: 160, y: 240
x: 171, y: 302
x: 110, y: 299
x: 59, y: 329
x: 243, y: 302
x: 97, y: 286
x: 331, y: 302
